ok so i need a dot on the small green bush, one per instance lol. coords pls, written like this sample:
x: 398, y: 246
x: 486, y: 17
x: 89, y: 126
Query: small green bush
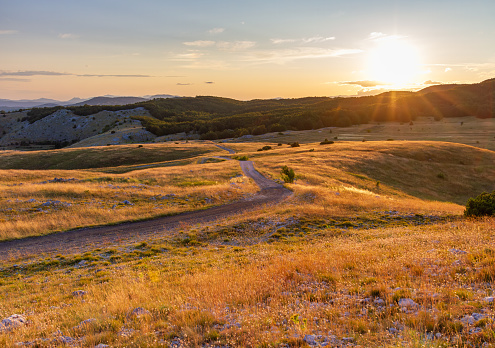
x: 482, y: 205
x: 288, y: 174
x: 294, y: 144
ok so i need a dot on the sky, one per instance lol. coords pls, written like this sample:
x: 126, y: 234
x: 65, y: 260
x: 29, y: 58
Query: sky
x: 245, y: 50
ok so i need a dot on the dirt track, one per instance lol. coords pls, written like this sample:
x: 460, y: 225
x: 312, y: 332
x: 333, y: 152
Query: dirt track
x: 83, y: 239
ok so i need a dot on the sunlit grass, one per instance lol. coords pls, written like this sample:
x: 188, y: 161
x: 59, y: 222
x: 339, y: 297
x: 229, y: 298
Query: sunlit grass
x: 334, y: 259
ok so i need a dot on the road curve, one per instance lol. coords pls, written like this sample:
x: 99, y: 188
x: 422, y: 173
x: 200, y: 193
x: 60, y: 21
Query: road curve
x: 82, y: 239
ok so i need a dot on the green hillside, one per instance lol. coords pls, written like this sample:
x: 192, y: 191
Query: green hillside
x: 217, y: 118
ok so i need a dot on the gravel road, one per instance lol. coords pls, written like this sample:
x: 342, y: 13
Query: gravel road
x: 84, y: 239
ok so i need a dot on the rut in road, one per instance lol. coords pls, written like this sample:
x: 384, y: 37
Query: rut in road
x: 81, y: 240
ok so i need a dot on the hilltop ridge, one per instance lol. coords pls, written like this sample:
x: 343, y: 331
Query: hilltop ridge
x: 210, y: 117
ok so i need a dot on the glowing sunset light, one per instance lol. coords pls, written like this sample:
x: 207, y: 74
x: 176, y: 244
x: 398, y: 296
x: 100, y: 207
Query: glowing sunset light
x: 253, y: 49
x: 394, y: 62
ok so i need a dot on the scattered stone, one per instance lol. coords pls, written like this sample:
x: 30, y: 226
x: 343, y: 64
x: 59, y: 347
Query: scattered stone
x: 83, y: 325
x: 393, y: 331
x: 407, y: 303
x: 310, y: 339
x: 348, y: 339
x: 140, y: 312
x: 489, y: 299
x: 79, y: 293
x: 13, y: 322
x: 65, y: 340
x: 126, y: 332
x: 379, y: 302
x: 457, y: 251
x: 101, y: 345
x: 126, y: 202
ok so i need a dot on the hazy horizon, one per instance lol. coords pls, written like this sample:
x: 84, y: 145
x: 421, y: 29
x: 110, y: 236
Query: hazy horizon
x: 60, y: 50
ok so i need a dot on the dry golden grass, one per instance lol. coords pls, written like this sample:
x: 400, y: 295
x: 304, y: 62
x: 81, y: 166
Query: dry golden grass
x: 428, y: 170
x: 463, y: 130
x: 264, y: 295
x: 98, y: 198
x: 333, y: 260
x: 127, y: 156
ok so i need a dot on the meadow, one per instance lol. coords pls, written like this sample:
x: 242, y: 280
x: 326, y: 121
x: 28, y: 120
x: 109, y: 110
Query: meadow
x: 372, y: 249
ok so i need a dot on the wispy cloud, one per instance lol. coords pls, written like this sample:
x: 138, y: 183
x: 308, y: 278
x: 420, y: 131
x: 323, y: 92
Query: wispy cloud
x: 216, y: 31
x: 199, y: 43
x: 32, y: 73
x: 103, y: 75
x: 430, y: 82
x: 283, y: 41
x: 208, y: 64
x: 222, y: 45
x: 364, y: 84
x: 448, y: 69
x: 379, y: 36
x: 29, y: 73
x: 183, y: 84
x: 8, y: 32
x: 309, y: 40
x: 68, y: 36
x: 288, y: 55
x: 209, y: 82
x: 235, y: 45
x: 13, y: 79
x: 187, y: 57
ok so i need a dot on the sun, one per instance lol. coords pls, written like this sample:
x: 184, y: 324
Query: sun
x: 394, y: 62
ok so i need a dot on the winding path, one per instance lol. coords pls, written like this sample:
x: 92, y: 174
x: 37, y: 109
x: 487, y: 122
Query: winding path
x: 82, y: 239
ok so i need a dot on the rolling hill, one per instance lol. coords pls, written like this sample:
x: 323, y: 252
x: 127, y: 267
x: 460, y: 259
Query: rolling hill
x: 209, y: 118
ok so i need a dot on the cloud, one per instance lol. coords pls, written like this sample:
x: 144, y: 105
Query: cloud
x: 207, y: 65
x: 68, y: 36
x: 8, y: 32
x: 379, y: 36
x: 448, y: 69
x: 187, y: 57
x: 54, y: 73
x: 430, y: 82
x: 235, y: 45
x: 282, y: 41
x: 364, y: 84
x: 318, y: 39
x: 289, y: 55
x: 183, y: 84
x: 98, y: 75
x: 209, y: 82
x: 12, y: 79
x: 33, y: 73
x: 216, y: 31
x: 309, y: 40
x: 199, y: 43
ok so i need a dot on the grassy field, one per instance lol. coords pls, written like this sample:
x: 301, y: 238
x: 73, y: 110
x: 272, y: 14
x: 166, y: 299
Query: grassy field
x: 463, y: 130
x: 371, y: 250
x: 35, y: 202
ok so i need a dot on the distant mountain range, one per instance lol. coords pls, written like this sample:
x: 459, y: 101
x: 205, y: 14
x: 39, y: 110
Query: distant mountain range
x: 12, y: 105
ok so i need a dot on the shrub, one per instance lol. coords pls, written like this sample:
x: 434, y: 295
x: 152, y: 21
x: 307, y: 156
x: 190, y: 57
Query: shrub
x: 294, y: 144
x: 265, y: 148
x: 482, y: 205
x: 288, y: 174
x: 326, y: 141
